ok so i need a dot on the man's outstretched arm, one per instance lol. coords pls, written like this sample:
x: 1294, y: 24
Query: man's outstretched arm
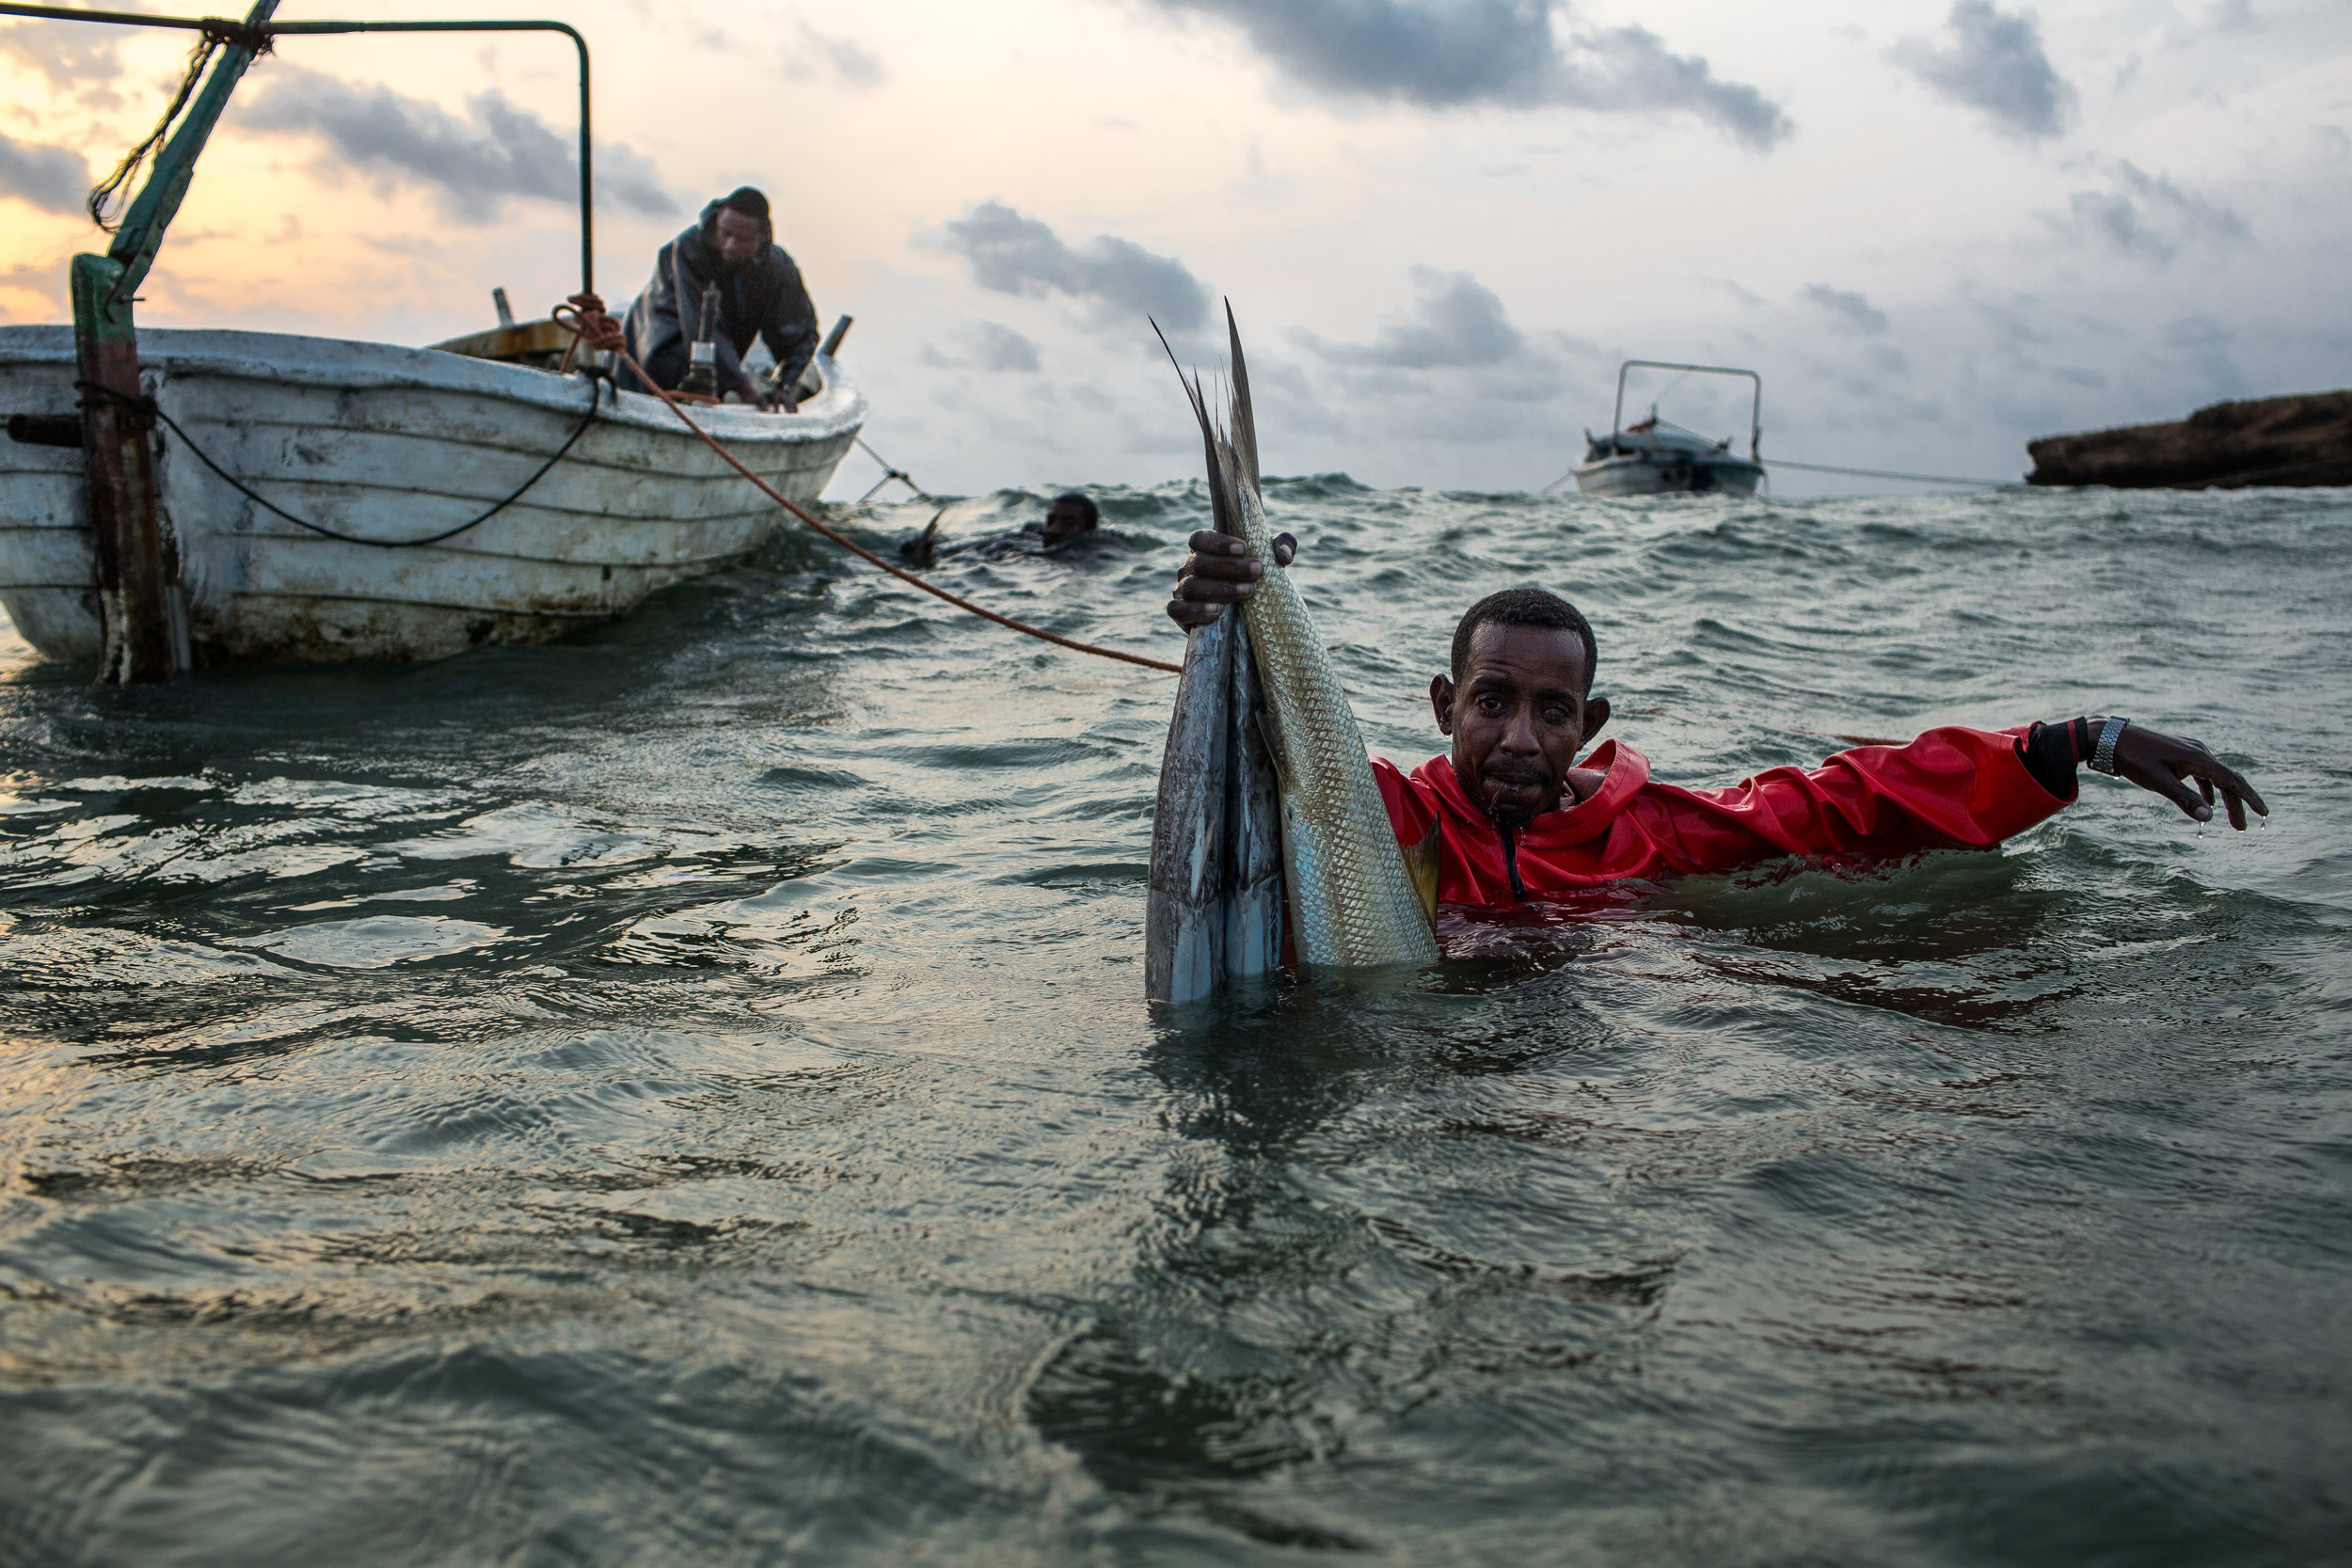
x: 1949, y: 787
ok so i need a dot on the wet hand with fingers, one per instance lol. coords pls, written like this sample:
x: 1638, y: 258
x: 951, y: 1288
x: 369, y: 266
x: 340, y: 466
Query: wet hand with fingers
x: 1218, y: 572
x: 2164, y: 764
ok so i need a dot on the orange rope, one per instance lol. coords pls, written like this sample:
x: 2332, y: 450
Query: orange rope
x: 593, y: 329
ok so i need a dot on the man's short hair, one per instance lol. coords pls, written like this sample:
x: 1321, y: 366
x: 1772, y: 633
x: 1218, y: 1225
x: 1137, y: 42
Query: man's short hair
x: 1525, y: 606
x: 1084, y: 504
x: 748, y: 202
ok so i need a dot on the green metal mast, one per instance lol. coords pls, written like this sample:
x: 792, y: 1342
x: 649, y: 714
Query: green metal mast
x: 141, y: 612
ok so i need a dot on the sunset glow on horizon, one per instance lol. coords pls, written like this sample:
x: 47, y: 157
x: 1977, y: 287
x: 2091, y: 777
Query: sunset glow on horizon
x: 1437, y: 270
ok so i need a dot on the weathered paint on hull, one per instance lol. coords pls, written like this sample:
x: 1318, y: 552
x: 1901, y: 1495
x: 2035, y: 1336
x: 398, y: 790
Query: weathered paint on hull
x: 389, y: 443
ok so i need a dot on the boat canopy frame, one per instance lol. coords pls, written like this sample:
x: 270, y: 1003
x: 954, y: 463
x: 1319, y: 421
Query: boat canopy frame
x: 1756, y: 406
x: 141, y: 235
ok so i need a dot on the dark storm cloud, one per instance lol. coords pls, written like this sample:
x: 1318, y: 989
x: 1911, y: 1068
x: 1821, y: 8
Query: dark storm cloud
x: 1456, y: 321
x: 1118, y: 280
x: 2147, y: 215
x: 1846, y: 303
x: 1450, y: 53
x: 993, y: 347
x: 49, y: 178
x: 475, y: 163
x: 1001, y: 350
x: 1993, y: 61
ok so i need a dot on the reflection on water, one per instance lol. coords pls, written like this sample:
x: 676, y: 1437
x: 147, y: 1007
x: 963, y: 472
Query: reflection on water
x: 684, y: 1095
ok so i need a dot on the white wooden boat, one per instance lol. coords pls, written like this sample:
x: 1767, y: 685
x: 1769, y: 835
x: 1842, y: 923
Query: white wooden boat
x: 386, y: 444
x: 1655, y: 457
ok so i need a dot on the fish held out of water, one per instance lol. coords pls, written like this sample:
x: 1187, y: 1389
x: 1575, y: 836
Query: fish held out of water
x: 1268, y: 810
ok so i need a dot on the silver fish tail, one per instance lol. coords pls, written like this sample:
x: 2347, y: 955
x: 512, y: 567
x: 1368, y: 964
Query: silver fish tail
x: 1351, y: 897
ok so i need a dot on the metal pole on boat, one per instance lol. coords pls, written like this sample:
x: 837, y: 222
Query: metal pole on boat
x: 237, y: 57
x: 119, y: 469
x: 141, y: 616
x: 587, y: 183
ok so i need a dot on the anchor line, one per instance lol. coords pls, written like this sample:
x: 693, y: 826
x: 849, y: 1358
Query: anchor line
x: 1883, y: 473
x: 155, y: 410
x: 587, y: 320
x: 889, y: 474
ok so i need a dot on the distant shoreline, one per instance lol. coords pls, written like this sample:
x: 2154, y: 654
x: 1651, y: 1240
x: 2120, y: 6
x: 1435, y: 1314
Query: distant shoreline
x: 2301, y: 440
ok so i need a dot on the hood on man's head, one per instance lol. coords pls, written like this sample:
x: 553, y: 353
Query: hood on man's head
x: 743, y: 199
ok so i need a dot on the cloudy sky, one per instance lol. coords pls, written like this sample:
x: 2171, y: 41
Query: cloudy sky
x: 1937, y: 228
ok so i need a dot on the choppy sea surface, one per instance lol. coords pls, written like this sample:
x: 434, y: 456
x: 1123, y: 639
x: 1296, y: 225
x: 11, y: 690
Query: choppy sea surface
x: 684, y: 1095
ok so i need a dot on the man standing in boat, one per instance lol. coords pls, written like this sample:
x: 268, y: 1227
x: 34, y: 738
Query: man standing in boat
x: 760, y: 295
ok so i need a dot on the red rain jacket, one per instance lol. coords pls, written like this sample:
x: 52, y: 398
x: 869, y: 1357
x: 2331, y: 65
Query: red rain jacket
x: 1949, y: 788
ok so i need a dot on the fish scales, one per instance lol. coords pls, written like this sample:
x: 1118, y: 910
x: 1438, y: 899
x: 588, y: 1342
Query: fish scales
x: 1353, y: 899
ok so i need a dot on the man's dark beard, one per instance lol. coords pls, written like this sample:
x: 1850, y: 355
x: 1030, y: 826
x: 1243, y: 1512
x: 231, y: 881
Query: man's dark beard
x: 1510, y: 822
x: 1514, y: 818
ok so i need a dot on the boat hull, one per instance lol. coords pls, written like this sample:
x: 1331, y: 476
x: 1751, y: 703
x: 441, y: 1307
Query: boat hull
x: 391, y: 444
x: 1667, y: 473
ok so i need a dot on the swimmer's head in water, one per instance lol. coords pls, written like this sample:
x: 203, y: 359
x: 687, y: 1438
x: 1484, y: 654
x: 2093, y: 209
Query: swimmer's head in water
x: 1519, y: 704
x: 1069, y: 516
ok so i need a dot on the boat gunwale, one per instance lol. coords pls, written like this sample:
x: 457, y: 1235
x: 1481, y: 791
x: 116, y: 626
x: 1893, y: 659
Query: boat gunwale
x: 170, y: 351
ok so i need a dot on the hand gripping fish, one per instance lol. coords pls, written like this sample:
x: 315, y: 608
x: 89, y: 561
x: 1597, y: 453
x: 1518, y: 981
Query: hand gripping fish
x: 1259, y: 698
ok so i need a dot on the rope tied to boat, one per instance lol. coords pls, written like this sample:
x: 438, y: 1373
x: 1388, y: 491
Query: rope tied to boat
x: 214, y: 32
x: 584, y: 315
x: 258, y: 38
x: 148, y: 408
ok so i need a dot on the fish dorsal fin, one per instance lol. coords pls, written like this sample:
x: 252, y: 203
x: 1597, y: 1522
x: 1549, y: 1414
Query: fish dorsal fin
x: 1224, y: 506
x: 1420, y: 863
x: 1245, y: 418
x: 1226, y: 461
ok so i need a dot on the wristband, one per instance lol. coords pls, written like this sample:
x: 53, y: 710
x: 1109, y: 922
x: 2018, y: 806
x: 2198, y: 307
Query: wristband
x: 2102, y: 759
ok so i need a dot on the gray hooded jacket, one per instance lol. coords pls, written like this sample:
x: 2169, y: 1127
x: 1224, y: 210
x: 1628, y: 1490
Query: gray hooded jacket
x: 764, y: 300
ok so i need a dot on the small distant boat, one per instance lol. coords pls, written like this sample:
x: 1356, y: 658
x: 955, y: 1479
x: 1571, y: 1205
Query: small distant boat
x: 1655, y: 457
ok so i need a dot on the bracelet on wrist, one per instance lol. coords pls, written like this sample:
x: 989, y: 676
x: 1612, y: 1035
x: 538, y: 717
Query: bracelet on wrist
x: 2103, y: 754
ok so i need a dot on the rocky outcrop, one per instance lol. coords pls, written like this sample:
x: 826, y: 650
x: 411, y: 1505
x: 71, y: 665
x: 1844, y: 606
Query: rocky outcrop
x: 2303, y: 439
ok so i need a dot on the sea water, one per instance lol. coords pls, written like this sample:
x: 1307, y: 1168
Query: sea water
x: 684, y: 1094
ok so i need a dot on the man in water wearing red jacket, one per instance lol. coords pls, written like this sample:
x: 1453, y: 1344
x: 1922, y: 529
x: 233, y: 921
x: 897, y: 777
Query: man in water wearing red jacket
x: 1521, y: 819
